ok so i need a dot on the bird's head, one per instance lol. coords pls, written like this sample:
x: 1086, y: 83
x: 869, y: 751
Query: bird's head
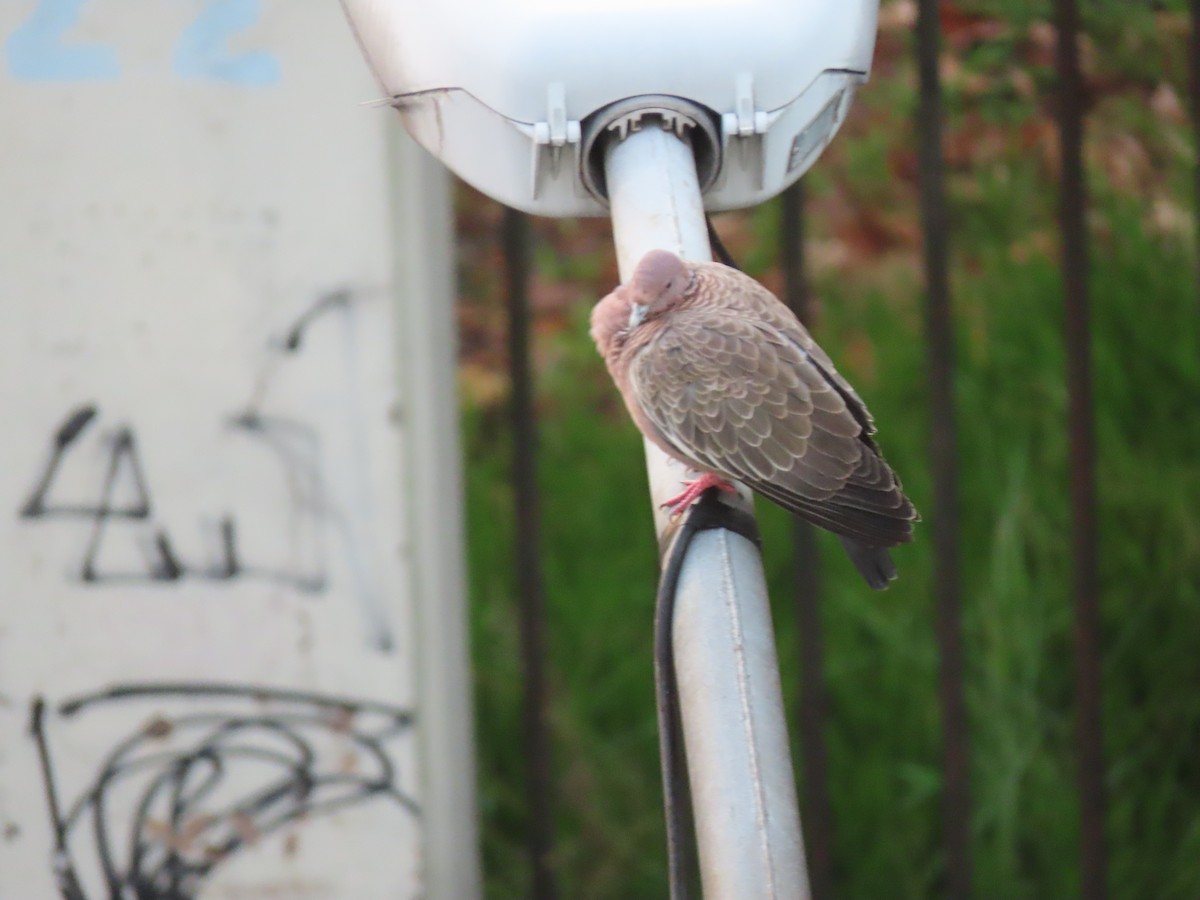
x: 658, y: 283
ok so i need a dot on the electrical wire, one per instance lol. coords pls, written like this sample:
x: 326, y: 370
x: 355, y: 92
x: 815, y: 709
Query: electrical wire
x: 718, y: 247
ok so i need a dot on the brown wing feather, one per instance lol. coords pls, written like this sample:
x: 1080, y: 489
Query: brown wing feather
x: 741, y: 292
x: 737, y: 395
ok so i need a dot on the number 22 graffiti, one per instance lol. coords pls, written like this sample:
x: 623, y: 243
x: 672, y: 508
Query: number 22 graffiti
x: 39, y: 49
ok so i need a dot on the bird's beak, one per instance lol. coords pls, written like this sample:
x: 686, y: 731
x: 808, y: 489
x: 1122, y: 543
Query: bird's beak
x: 637, y: 312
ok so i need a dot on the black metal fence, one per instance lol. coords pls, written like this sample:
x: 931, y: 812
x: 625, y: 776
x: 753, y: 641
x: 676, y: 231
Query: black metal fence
x: 942, y: 519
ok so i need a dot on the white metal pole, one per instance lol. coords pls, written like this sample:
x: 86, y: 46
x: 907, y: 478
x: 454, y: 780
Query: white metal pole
x: 739, y: 762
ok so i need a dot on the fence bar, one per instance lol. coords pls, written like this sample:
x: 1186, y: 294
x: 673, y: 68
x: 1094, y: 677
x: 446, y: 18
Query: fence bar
x: 731, y: 701
x: 1194, y: 91
x: 814, y: 699
x: 1081, y: 442
x: 539, y: 833
x: 956, y: 795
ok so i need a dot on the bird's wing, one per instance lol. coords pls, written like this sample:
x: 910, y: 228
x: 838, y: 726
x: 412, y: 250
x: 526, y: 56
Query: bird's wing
x: 743, y: 292
x: 736, y: 396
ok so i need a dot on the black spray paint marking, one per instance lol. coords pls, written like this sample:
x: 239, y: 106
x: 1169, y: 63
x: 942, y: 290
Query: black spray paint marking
x: 207, y: 771
x: 161, y: 563
x: 315, y: 504
x: 297, y: 448
x: 348, y: 487
x: 336, y: 299
x: 123, y: 450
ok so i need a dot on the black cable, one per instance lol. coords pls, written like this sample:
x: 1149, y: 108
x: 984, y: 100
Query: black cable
x: 708, y: 513
x: 718, y: 248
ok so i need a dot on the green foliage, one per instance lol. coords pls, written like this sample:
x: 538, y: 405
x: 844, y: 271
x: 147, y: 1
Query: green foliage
x: 881, y: 659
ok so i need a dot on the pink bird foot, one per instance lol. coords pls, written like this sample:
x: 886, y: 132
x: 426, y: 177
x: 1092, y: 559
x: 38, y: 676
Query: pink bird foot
x: 693, y: 489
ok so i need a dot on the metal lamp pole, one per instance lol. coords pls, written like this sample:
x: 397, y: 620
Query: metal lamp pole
x: 739, y: 762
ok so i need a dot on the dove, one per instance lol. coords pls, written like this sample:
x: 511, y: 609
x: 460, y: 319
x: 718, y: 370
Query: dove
x: 722, y: 376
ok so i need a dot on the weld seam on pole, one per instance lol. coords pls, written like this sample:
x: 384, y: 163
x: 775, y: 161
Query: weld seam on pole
x: 743, y: 673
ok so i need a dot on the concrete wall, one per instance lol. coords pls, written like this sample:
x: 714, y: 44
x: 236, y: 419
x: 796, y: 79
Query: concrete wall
x: 222, y: 279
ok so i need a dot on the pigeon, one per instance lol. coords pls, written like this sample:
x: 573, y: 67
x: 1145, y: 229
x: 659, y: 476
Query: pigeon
x: 721, y: 375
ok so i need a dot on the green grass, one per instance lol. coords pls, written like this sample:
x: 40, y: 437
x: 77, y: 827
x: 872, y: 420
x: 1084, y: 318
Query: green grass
x: 881, y: 658
x: 884, y: 732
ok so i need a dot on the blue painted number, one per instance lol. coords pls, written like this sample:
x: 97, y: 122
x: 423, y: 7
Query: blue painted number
x: 35, y: 51
x: 203, y: 49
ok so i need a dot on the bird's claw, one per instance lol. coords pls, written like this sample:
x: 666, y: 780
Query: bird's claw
x: 693, y: 489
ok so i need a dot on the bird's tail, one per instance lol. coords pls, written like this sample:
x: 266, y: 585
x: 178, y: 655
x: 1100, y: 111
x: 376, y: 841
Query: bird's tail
x: 875, y: 563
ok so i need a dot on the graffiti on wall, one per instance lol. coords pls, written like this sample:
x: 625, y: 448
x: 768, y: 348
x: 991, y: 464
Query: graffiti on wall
x: 120, y: 506
x: 42, y: 48
x: 202, y: 772
x: 123, y: 500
